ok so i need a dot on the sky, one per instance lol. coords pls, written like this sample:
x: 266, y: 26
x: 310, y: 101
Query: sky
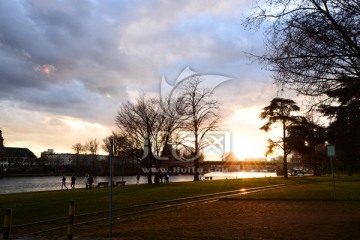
x: 66, y: 66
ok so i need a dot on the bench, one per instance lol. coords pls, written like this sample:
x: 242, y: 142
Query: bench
x: 207, y: 178
x: 121, y: 183
x: 102, y: 184
x: 296, y: 172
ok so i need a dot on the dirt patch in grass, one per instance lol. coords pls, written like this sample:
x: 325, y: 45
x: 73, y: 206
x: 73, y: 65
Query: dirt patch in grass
x: 247, y: 219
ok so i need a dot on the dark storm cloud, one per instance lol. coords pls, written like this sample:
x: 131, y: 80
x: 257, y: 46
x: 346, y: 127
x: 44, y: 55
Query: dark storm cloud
x: 16, y: 71
x: 78, y: 39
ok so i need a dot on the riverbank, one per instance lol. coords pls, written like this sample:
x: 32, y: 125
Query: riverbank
x: 47, y: 183
x: 30, y: 175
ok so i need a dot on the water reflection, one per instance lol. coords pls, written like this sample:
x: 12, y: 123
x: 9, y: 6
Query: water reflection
x: 33, y: 184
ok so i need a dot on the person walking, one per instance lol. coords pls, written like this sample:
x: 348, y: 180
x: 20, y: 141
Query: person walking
x: 63, y: 183
x: 73, y: 179
x: 166, y: 178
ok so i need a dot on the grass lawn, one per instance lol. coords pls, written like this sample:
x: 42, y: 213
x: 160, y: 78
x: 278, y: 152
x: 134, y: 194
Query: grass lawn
x: 318, y: 188
x: 36, y: 206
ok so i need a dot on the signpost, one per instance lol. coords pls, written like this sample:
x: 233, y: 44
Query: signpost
x: 330, y: 150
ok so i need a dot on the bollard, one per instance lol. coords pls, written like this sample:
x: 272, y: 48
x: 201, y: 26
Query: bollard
x: 71, y: 219
x: 7, y: 223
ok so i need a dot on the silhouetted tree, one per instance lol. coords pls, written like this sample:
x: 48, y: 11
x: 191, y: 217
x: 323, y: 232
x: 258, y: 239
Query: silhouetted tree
x: 143, y: 121
x: 279, y: 111
x: 201, y: 111
x: 312, y: 44
x: 78, y: 148
x: 308, y: 139
x: 344, y: 128
x: 92, y: 145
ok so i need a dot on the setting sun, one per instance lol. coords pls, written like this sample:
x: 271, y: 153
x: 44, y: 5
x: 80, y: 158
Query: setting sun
x: 248, y: 148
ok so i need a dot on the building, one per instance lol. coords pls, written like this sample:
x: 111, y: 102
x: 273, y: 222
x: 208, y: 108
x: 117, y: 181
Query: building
x: 65, y: 159
x: 14, y: 156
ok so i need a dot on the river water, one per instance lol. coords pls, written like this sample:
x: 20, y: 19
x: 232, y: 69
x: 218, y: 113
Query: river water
x: 34, y: 184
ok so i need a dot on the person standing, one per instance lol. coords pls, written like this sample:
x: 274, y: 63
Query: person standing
x: 73, y: 179
x: 91, y: 181
x: 87, y: 181
x: 63, y: 183
x: 137, y: 178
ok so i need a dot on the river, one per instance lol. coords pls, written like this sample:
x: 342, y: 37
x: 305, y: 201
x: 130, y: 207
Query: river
x: 34, y: 184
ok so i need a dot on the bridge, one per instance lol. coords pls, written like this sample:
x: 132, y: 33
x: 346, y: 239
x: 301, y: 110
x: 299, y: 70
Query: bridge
x: 231, y: 166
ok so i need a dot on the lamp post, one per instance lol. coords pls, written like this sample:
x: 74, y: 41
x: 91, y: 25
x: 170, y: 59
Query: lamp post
x: 111, y: 153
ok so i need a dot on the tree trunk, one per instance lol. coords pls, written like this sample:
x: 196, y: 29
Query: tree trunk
x: 157, y: 177
x: 149, y: 176
x: 196, y: 169
x: 196, y: 161
x: 286, y: 176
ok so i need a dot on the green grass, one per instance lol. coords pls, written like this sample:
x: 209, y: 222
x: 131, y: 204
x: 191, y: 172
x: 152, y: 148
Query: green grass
x: 318, y: 188
x: 36, y: 206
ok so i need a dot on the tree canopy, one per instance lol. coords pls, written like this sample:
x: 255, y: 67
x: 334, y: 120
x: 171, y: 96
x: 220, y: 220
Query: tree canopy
x: 159, y: 123
x: 280, y: 111
x: 313, y: 46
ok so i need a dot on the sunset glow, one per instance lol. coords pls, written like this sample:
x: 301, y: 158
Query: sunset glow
x: 70, y: 89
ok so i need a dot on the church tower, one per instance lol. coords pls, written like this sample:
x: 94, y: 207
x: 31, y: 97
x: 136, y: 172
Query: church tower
x: 1, y: 140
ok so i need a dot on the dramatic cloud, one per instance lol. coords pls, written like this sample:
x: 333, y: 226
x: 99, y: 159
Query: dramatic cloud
x: 65, y: 66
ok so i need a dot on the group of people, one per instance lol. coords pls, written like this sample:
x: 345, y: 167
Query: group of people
x: 164, y: 176
x: 89, y: 181
x: 72, y: 184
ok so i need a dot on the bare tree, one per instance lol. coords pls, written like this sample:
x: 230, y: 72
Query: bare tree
x: 201, y: 112
x: 152, y: 125
x: 172, y: 120
x: 312, y: 45
x: 150, y: 122
x: 77, y: 148
x: 92, y: 145
x: 139, y: 122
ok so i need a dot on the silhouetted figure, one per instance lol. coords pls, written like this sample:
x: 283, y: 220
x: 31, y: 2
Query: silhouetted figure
x: 63, y: 182
x: 73, y: 179
x: 166, y: 178
x: 87, y: 181
x: 138, y: 179
x: 91, y: 181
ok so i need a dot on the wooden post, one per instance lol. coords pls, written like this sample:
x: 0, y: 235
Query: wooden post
x: 7, y: 223
x: 71, y: 220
